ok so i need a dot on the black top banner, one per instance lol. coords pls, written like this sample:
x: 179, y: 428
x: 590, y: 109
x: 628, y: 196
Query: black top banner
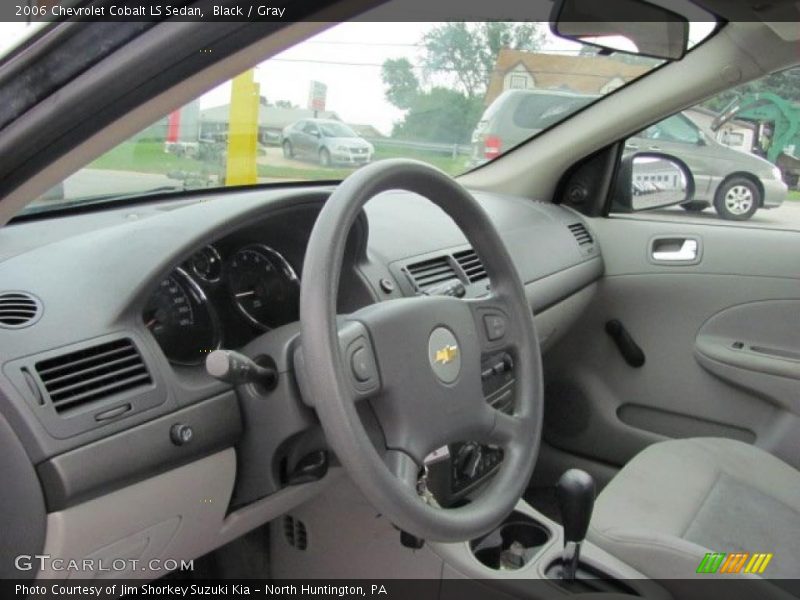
x: 371, y: 10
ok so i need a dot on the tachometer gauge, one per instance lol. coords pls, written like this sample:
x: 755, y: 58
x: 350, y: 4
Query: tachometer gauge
x: 207, y: 264
x: 264, y: 286
x: 180, y: 318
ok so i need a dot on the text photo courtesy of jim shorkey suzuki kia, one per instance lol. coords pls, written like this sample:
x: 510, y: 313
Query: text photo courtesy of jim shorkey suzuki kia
x: 167, y: 590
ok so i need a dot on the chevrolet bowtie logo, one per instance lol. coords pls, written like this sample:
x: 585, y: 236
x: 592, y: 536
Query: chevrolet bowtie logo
x: 446, y: 354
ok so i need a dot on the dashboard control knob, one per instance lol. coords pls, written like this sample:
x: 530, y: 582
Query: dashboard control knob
x: 181, y: 434
x: 387, y: 285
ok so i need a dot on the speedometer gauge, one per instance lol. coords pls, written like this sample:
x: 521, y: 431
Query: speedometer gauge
x: 264, y: 286
x: 179, y: 317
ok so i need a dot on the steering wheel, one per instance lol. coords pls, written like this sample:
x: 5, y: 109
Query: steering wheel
x: 417, y: 363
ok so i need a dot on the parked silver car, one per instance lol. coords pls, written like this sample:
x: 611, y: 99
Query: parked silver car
x: 327, y: 141
x: 735, y: 183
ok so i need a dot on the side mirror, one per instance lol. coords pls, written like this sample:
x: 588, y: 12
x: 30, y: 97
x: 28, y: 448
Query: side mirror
x: 650, y: 180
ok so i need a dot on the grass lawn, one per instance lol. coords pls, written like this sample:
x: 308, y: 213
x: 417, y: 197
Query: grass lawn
x: 794, y: 195
x: 448, y: 164
x: 313, y: 172
x: 149, y: 157
x: 146, y: 157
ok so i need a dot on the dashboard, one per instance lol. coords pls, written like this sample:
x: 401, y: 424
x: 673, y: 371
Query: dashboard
x: 127, y: 302
x: 253, y: 282
x: 229, y: 292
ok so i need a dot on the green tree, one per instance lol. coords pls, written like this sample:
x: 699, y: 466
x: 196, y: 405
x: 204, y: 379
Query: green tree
x: 468, y: 51
x: 464, y: 54
x: 402, y: 85
x: 440, y: 115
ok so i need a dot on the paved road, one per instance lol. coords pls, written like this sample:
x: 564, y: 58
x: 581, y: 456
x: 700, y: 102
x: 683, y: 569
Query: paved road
x: 274, y: 158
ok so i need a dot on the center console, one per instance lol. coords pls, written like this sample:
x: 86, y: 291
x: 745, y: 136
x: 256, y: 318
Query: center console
x: 524, y: 557
x: 458, y: 469
x: 526, y: 545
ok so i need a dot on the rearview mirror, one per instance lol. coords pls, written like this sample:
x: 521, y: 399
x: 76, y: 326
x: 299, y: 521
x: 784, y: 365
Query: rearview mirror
x: 630, y: 26
x: 647, y: 181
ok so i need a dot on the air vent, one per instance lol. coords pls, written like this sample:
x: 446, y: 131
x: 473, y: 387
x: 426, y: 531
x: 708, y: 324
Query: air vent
x: 88, y: 375
x: 430, y: 272
x: 294, y: 530
x: 18, y: 309
x: 581, y: 234
x: 473, y: 267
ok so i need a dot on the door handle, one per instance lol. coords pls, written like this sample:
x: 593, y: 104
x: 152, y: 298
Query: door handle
x: 654, y: 148
x: 675, y: 250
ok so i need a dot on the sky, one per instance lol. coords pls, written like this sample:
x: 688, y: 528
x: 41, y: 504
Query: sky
x: 347, y: 58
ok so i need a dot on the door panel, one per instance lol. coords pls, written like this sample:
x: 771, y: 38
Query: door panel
x: 744, y: 287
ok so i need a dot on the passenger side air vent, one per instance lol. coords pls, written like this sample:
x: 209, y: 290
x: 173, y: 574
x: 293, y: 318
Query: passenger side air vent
x: 88, y: 375
x: 430, y: 272
x: 294, y: 530
x: 18, y: 309
x: 470, y: 263
x: 582, y: 235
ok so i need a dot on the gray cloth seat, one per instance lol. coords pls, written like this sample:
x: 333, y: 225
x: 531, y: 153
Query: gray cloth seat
x: 680, y: 499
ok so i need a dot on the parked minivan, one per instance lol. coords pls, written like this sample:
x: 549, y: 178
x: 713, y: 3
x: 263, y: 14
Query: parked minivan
x: 516, y: 115
x: 735, y: 183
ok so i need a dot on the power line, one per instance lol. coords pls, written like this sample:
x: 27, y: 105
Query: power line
x: 451, y: 69
x: 418, y: 45
x: 346, y: 43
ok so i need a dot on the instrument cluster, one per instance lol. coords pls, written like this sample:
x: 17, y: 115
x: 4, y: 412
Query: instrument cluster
x: 216, y: 297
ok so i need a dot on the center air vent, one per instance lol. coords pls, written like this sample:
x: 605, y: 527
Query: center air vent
x: 88, y: 375
x: 473, y: 267
x: 582, y: 235
x: 18, y: 309
x: 430, y: 272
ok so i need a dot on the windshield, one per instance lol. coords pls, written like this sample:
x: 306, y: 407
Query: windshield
x: 455, y: 95
x: 337, y: 130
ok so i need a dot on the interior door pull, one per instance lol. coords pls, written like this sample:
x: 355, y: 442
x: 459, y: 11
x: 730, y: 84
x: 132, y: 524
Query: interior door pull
x: 675, y: 250
x: 629, y: 349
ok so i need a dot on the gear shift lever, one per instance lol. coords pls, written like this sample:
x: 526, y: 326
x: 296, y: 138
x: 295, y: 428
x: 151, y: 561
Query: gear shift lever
x: 575, y: 494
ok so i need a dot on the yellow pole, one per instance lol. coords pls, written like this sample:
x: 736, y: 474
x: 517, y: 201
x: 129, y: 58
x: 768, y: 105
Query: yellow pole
x: 240, y: 168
